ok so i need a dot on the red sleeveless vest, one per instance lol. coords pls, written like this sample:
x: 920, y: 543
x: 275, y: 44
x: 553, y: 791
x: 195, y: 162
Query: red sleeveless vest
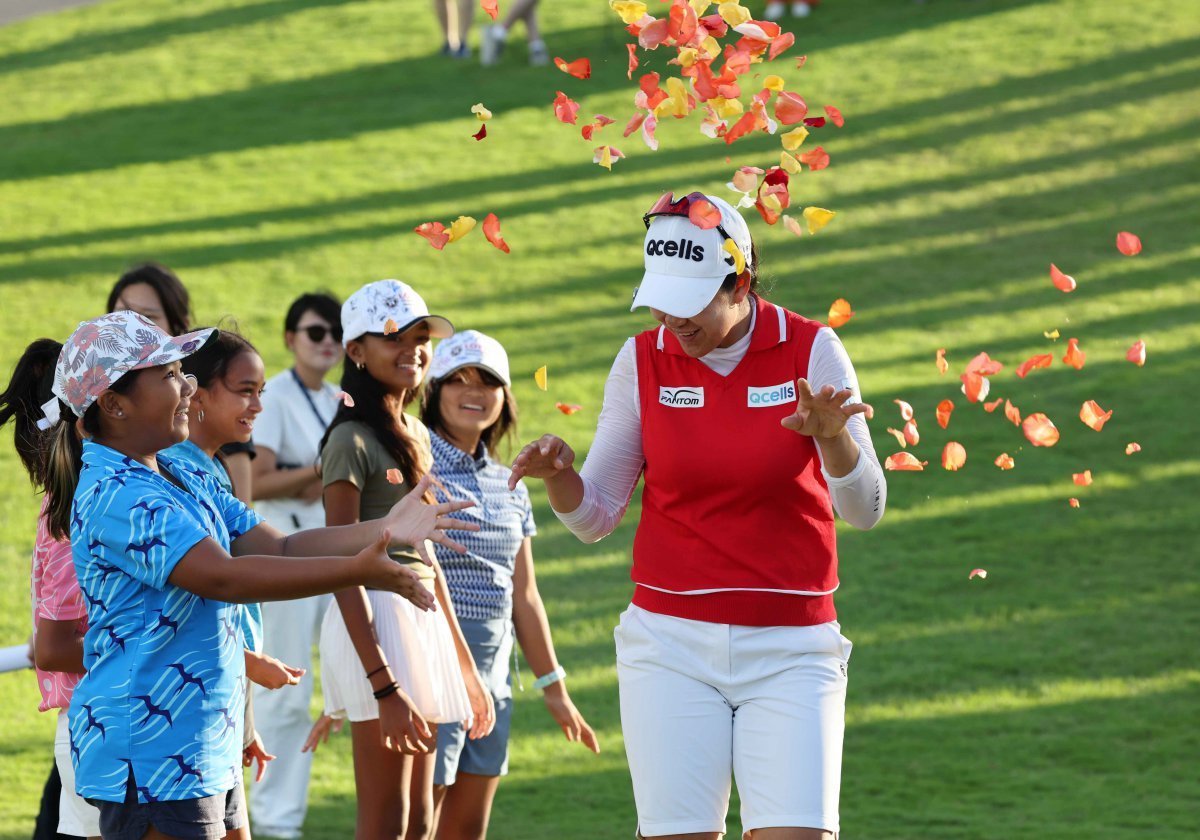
x: 735, y: 510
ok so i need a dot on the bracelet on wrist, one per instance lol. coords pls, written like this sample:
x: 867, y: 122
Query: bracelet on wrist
x: 390, y: 688
x: 377, y: 670
x: 557, y: 675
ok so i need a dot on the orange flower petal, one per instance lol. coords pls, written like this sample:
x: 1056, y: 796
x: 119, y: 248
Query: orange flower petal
x: 779, y: 44
x: 835, y: 116
x: 1042, y: 360
x: 906, y: 410
x: 790, y: 108
x: 1005, y: 461
x: 975, y: 386
x: 801, y: 61
x: 491, y: 230
x: 911, y: 435
x: 903, y: 461
x: 1075, y: 357
x: 346, y: 399
x: 990, y: 407
x: 940, y: 361
x: 394, y: 476
x: 492, y: 7
x: 944, y: 410
x: 978, y: 573
x: 567, y: 408
x: 1083, y: 479
x: 704, y: 214
x: 390, y: 326
x: 1137, y: 353
x: 1093, y: 416
x: 434, y: 232
x: 1039, y: 430
x: 1073, y: 502
x: 792, y: 225
x: 1012, y: 413
x: 1062, y: 282
x: 818, y: 158
x: 984, y: 365
x: 954, y: 455
x: 899, y: 436
x: 580, y: 68
x: 1133, y: 447
x: 566, y: 109
x: 840, y: 313
x: 1128, y: 244
x: 633, y: 60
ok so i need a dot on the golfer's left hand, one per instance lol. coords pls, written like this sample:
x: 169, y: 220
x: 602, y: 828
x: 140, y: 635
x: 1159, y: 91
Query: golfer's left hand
x: 823, y: 414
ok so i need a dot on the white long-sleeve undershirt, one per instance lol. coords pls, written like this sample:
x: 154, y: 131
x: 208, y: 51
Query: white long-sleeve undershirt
x: 615, y: 460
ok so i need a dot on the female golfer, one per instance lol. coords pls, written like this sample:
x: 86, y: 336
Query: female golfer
x: 156, y: 724
x: 730, y: 657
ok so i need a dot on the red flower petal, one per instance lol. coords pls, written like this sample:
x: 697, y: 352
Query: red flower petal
x: 790, y: 108
x: 491, y: 230
x: 1137, y: 353
x: 1128, y: 244
x: 989, y: 407
x: 653, y: 34
x: 816, y: 159
x: 435, y: 233
x: 1093, y: 416
x: 346, y: 399
x: 899, y: 436
x: 567, y: 408
x: 978, y: 573
x: 1012, y: 413
x: 814, y: 122
x: 911, y: 436
x: 704, y: 214
x: 906, y: 410
x: 1039, y: 430
x: 1133, y: 447
x: 835, y: 116
x: 944, y: 409
x: 566, y: 109
x: 633, y: 60
x: 839, y: 313
x: 741, y: 128
x: 1075, y: 357
x: 1062, y: 282
x: 635, y: 122
x: 1073, y: 502
x: 580, y: 68
x: 492, y: 8
x: 1042, y: 360
x: 984, y: 365
x: 954, y: 456
x: 779, y: 44
x: 394, y: 476
x: 481, y: 133
x: 974, y: 385
x: 1005, y: 461
x: 1083, y: 479
x: 903, y: 461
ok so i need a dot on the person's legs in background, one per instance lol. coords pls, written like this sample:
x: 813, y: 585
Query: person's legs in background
x: 494, y: 37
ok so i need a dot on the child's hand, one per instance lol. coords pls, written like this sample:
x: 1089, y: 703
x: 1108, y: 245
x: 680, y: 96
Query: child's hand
x: 319, y: 734
x: 402, y: 727
x: 379, y: 571
x: 256, y: 751
x: 483, y: 707
x: 412, y: 521
x: 269, y: 672
x: 559, y: 704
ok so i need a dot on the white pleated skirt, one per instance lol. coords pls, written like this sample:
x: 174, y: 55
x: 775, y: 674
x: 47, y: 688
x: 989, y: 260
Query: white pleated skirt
x: 419, y: 649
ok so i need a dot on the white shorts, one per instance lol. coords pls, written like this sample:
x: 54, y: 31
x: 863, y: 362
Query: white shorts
x: 75, y: 817
x: 699, y: 700
x: 419, y: 649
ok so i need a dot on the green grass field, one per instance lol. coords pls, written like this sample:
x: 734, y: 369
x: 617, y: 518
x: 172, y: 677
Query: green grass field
x: 266, y: 147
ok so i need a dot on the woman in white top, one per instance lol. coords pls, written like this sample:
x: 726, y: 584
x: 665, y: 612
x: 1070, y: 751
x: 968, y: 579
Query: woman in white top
x: 297, y: 406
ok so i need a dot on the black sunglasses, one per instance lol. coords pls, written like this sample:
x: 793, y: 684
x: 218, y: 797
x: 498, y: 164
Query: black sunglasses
x: 316, y: 332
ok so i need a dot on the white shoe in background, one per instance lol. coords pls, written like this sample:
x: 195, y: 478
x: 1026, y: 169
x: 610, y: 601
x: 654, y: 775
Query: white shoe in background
x: 491, y: 45
x: 774, y: 10
x: 538, y: 54
x: 801, y: 9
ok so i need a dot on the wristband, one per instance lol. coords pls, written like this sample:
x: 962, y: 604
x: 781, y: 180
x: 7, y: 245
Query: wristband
x: 390, y: 688
x: 377, y: 670
x: 550, y: 679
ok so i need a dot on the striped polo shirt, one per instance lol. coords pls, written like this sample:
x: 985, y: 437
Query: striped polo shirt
x: 481, y: 581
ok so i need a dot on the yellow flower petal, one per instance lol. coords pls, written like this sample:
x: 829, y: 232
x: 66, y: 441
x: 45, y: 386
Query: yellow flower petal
x: 794, y: 138
x: 789, y: 164
x: 733, y: 14
x: 726, y: 107
x: 483, y: 113
x: 775, y: 83
x: 605, y: 157
x: 630, y: 11
x: 461, y: 227
x: 688, y: 56
x: 817, y: 218
x: 771, y: 202
x: 711, y: 47
x: 739, y: 259
x: 1052, y: 335
x: 539, y: 376
x: 701, y: 6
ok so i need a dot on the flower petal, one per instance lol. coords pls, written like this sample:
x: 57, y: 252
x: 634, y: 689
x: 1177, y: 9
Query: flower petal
x: 633, y: 60
x: 899, y: 436
x: 390, y: 326
x: 1132, y: 448
x: 944, y: 409
x: 1137, y: 353
x: 481, y: 133
x: 580, y: 68
x: 631, y: 11
x: 794, y: 138
x: 1083, y: 479
x: 903, y: 461
x: 567, y: 408
x: 817, y: 218
x: 906, y: 410
x: 1073, y: 502
x: 911, y: 436
x: 460, y: 227
x: 346, y: 399
x: 1012, y: 413
x: 1039, y: 430
x: 790, y: 108
x: 978, y: 573
x: 1075, y: 357
x: 1093, y: 416
x: 481, y: 112
x: 989, y: 407
x: 1005, y: 462
x: 835, y: 116
x: 816, y: 159
x: 1051, y: 334
x: 1062, y: 282
x: 1128, y: 244
x: 704, y: 214
x: 491, y: 230
x: 1042, y: 360
x: 840, y: 313
x: 434, y: 233
x: 539, y: 377
x: 939, y: 359
x: 394, y: 476
x: 954, y: 456
x: 792, y: 225
x: 566, y: 109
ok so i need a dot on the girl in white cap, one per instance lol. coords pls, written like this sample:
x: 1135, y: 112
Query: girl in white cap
x: 164, y: 555
x: 469, y: 409
x: 745, y: 421
x: 393, y: 670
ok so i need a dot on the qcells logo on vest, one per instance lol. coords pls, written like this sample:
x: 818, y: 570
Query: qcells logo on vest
x: 785, y: 392
x: 684, y: 396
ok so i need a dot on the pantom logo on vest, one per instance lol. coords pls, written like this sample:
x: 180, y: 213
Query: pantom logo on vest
x: 685, y: 249
x: 784, y: 392
x: 684, y: 396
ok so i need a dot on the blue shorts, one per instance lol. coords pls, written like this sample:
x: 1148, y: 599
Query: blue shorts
x: 491, y: 643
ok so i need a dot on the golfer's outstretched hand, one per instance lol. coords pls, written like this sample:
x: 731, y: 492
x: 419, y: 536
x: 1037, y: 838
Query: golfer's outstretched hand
x: 545, y: 458
x: 823, y: 414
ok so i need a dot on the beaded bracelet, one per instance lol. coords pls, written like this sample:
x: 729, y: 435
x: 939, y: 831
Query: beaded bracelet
x: 390, y: 688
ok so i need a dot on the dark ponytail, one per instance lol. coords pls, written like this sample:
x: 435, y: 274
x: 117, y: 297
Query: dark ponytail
x: 28, y: 388
x: 371, y: 409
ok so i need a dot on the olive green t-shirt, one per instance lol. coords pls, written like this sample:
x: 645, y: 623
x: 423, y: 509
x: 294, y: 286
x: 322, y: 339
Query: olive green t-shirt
x: 354, y: 454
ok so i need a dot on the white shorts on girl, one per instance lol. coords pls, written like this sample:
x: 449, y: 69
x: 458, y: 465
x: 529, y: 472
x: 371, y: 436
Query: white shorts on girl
x: 701, y: 700
x: 75, y: 816
x: 419, y: 649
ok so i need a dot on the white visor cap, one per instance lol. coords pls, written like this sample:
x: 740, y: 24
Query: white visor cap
x: 470, y: 348
x: 685, y: 264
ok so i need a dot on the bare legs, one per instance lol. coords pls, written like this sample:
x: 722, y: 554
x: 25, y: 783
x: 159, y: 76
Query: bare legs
x: 465, y: 807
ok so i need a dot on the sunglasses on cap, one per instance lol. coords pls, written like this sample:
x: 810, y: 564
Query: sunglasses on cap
x: 316, y: 332
x: 668, y: 205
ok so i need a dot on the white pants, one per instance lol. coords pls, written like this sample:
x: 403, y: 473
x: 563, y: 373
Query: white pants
x: 279, y: 802
x: 701, y: 700
x: 75, y: 816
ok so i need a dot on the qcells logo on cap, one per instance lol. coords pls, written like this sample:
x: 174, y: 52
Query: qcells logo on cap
x: 785, y: 392
x: 684, y: 396
x: 684, y: 249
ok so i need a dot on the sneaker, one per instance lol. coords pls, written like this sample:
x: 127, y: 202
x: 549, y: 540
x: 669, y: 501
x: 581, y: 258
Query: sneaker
x: 462, y: 52
x: 446, y: 51
x: 774, y: 10
x: 491, y: 45
x: 538, y: 54
x: 801, y: 9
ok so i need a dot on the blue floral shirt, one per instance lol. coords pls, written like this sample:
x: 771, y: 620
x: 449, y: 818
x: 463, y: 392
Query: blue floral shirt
x: 162, y: 700
x: 193, y: 456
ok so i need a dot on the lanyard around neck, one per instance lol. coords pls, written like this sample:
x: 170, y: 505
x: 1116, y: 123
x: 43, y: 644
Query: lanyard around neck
x: 308, y: 399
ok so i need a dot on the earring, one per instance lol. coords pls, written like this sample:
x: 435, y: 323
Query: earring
x: 360, y: 365
x: 200, y: 416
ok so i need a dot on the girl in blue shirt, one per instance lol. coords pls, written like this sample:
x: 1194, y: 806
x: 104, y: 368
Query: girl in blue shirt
x: 163, y: 555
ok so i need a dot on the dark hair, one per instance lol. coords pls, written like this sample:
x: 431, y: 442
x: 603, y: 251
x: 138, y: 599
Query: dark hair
x: 65, y: 458
x: 169, y: 288
x: 370, y: 408
x: 322, y: 303
x: 212, y: 361
x: 730, y: 281
x: 28, y: 388
x: 504, y: 427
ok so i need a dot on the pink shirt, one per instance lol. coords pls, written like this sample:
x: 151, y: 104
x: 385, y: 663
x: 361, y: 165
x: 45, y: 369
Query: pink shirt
x: 56, y: 597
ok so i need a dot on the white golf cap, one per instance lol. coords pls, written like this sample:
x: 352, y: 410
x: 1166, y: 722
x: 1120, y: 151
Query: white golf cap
x: 370, y: 308
x: 470, y: 348
x: 686, y: 264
